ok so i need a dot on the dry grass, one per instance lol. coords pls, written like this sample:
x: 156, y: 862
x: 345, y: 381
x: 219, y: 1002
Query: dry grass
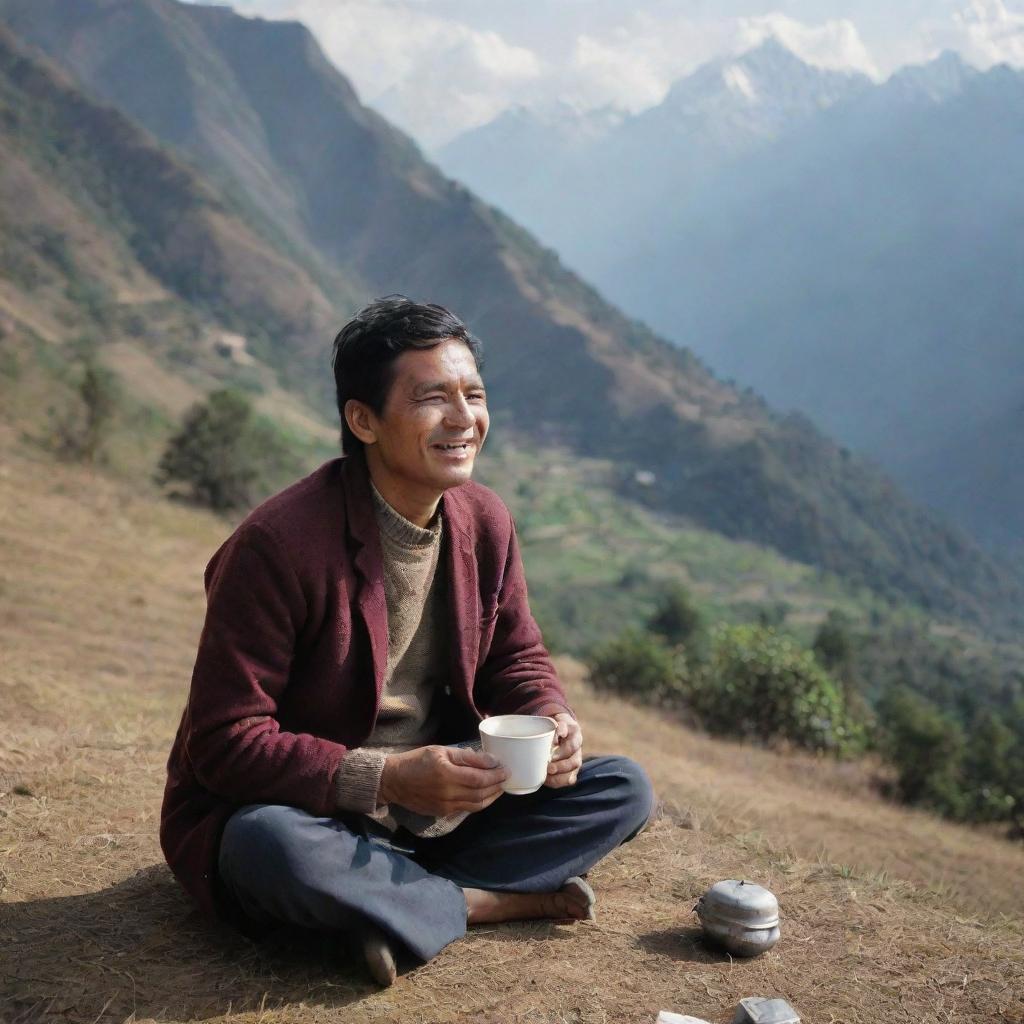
x: 887, y: 916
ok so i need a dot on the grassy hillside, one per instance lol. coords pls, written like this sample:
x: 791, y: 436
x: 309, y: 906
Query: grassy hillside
x: 598, y: 560
x: 887, y: 915
x: 108, y: 234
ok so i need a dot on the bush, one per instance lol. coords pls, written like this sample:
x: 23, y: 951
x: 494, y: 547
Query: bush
x: 974, y: 776
x: 833, y: 644
x: 993, y: 769
x: 82, y: 428
x: 222, y: 453
x: 927, y: 749
x: 639, y: 665
x: 760, y: 684
x: 676, y: 618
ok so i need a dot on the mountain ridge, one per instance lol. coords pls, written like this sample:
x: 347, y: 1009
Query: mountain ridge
x: 858, y: 266
x: 585, y: 198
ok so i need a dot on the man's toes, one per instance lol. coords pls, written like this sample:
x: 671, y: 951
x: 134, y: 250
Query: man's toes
x: 579, y: 893
x: 378, y: 955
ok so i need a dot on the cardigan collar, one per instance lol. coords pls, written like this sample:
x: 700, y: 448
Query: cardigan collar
x: 362, y: 521
x: 463, y: 574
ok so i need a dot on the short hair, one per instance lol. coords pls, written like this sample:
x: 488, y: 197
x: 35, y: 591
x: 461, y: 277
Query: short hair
x: 366, y: 348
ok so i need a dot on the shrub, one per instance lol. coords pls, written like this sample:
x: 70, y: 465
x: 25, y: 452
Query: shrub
x: 639, y: 665
x: 676, y: 618
x: 993, y: 767
x: 761, y: 684
x: 992, y: 770
x: 833, y: 644
x: 83, y: 427
x: 926, y: 747
x: 222, y: 453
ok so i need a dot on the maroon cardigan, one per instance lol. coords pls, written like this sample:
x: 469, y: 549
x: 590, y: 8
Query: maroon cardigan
x: 293, y: 652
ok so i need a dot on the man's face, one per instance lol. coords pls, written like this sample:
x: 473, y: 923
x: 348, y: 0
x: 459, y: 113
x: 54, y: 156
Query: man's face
x: 433, y: 423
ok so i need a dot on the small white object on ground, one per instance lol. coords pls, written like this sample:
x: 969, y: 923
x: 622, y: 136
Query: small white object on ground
x: 758, y: 1010
x: 667, y: 1017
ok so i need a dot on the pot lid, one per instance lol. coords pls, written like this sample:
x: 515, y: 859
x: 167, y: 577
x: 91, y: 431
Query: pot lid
x: 739, y: 902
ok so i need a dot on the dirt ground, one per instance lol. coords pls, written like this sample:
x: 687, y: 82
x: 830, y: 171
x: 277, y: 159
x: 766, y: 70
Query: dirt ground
x: 887, y: 915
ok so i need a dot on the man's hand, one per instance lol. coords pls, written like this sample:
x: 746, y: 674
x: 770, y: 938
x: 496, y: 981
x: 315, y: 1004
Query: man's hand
x: 439, y: 780
x: 568, y: 755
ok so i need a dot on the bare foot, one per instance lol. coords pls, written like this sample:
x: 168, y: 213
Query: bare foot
x: 377, y: 954
x: 573, y: 902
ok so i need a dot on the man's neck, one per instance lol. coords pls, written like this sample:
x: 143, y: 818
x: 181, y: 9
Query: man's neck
x: 416, y: 507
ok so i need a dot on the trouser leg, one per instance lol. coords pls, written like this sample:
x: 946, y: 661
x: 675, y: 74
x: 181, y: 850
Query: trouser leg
x: 534, y: 843
x: 283, y: 864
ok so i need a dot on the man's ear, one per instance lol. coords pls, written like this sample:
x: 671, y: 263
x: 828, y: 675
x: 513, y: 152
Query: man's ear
x: 360, y: 419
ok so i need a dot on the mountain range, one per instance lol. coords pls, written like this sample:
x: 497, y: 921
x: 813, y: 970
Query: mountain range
x: 172, y: 172
x: 850, y: 250
x: 586, y: 181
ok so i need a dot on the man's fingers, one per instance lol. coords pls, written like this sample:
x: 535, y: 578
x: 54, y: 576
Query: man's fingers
x: 470, y: 778
x: 471, y: 758
x: 475, y: 800
x: 563, y: 767
x: 565, y: 779
x: 570, y: 746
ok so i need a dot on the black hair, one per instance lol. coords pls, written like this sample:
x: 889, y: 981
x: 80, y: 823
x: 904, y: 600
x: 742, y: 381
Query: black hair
x: 366, y: 348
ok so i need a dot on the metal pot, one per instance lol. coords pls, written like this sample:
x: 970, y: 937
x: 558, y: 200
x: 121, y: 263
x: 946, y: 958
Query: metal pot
x: 740, y: 916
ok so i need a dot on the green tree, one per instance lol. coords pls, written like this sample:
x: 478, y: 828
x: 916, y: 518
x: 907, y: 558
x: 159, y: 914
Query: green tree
x: 927, y: 749
x: 773, y: 615
x: 761, y: 684
x: 639, y: 665
x: 993, y: 767
x: 222, y: 453
x: 676, y: 618
x: 833, y: 643
x: 86, y: 424
x: 988, y: 768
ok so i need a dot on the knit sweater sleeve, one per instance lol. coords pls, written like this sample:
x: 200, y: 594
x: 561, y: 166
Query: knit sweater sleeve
x: 255, y: 610
x: 357, y: 780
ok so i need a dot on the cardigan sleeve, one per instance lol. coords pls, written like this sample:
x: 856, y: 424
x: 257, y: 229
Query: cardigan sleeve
x: 255, y: 611
x: 517, y: 675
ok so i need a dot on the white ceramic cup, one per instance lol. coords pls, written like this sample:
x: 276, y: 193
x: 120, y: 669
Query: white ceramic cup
x: 523, y: 744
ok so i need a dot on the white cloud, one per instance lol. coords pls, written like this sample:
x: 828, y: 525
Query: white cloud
x: 474, y: 77
x: 440, y: 67
x: 632, y: 64
x: 984, y: 32
x: 433, y: 76
x: 833, y: 44
x: 601, y: 72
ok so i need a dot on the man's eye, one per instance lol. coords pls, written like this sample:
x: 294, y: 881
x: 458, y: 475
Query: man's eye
x: 477, y: 396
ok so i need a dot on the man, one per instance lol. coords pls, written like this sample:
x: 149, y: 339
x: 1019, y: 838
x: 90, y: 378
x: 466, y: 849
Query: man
x: 359, y: 626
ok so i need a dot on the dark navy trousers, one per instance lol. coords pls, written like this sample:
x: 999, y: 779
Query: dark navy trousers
x: 282, y: 864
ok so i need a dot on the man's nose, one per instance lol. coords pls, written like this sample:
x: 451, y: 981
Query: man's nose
x: 460, y: 413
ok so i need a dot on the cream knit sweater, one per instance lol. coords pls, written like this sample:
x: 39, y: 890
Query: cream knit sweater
x: 414, y: 586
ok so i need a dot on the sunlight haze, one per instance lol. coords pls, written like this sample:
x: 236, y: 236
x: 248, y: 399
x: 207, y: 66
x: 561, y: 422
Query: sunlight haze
x: 439, y: 67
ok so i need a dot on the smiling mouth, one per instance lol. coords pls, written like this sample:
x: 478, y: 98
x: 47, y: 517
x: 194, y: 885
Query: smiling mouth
x: 454, y: 446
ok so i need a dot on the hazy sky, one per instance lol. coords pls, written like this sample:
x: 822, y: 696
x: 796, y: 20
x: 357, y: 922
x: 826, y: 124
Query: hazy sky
x: 437, y: 67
